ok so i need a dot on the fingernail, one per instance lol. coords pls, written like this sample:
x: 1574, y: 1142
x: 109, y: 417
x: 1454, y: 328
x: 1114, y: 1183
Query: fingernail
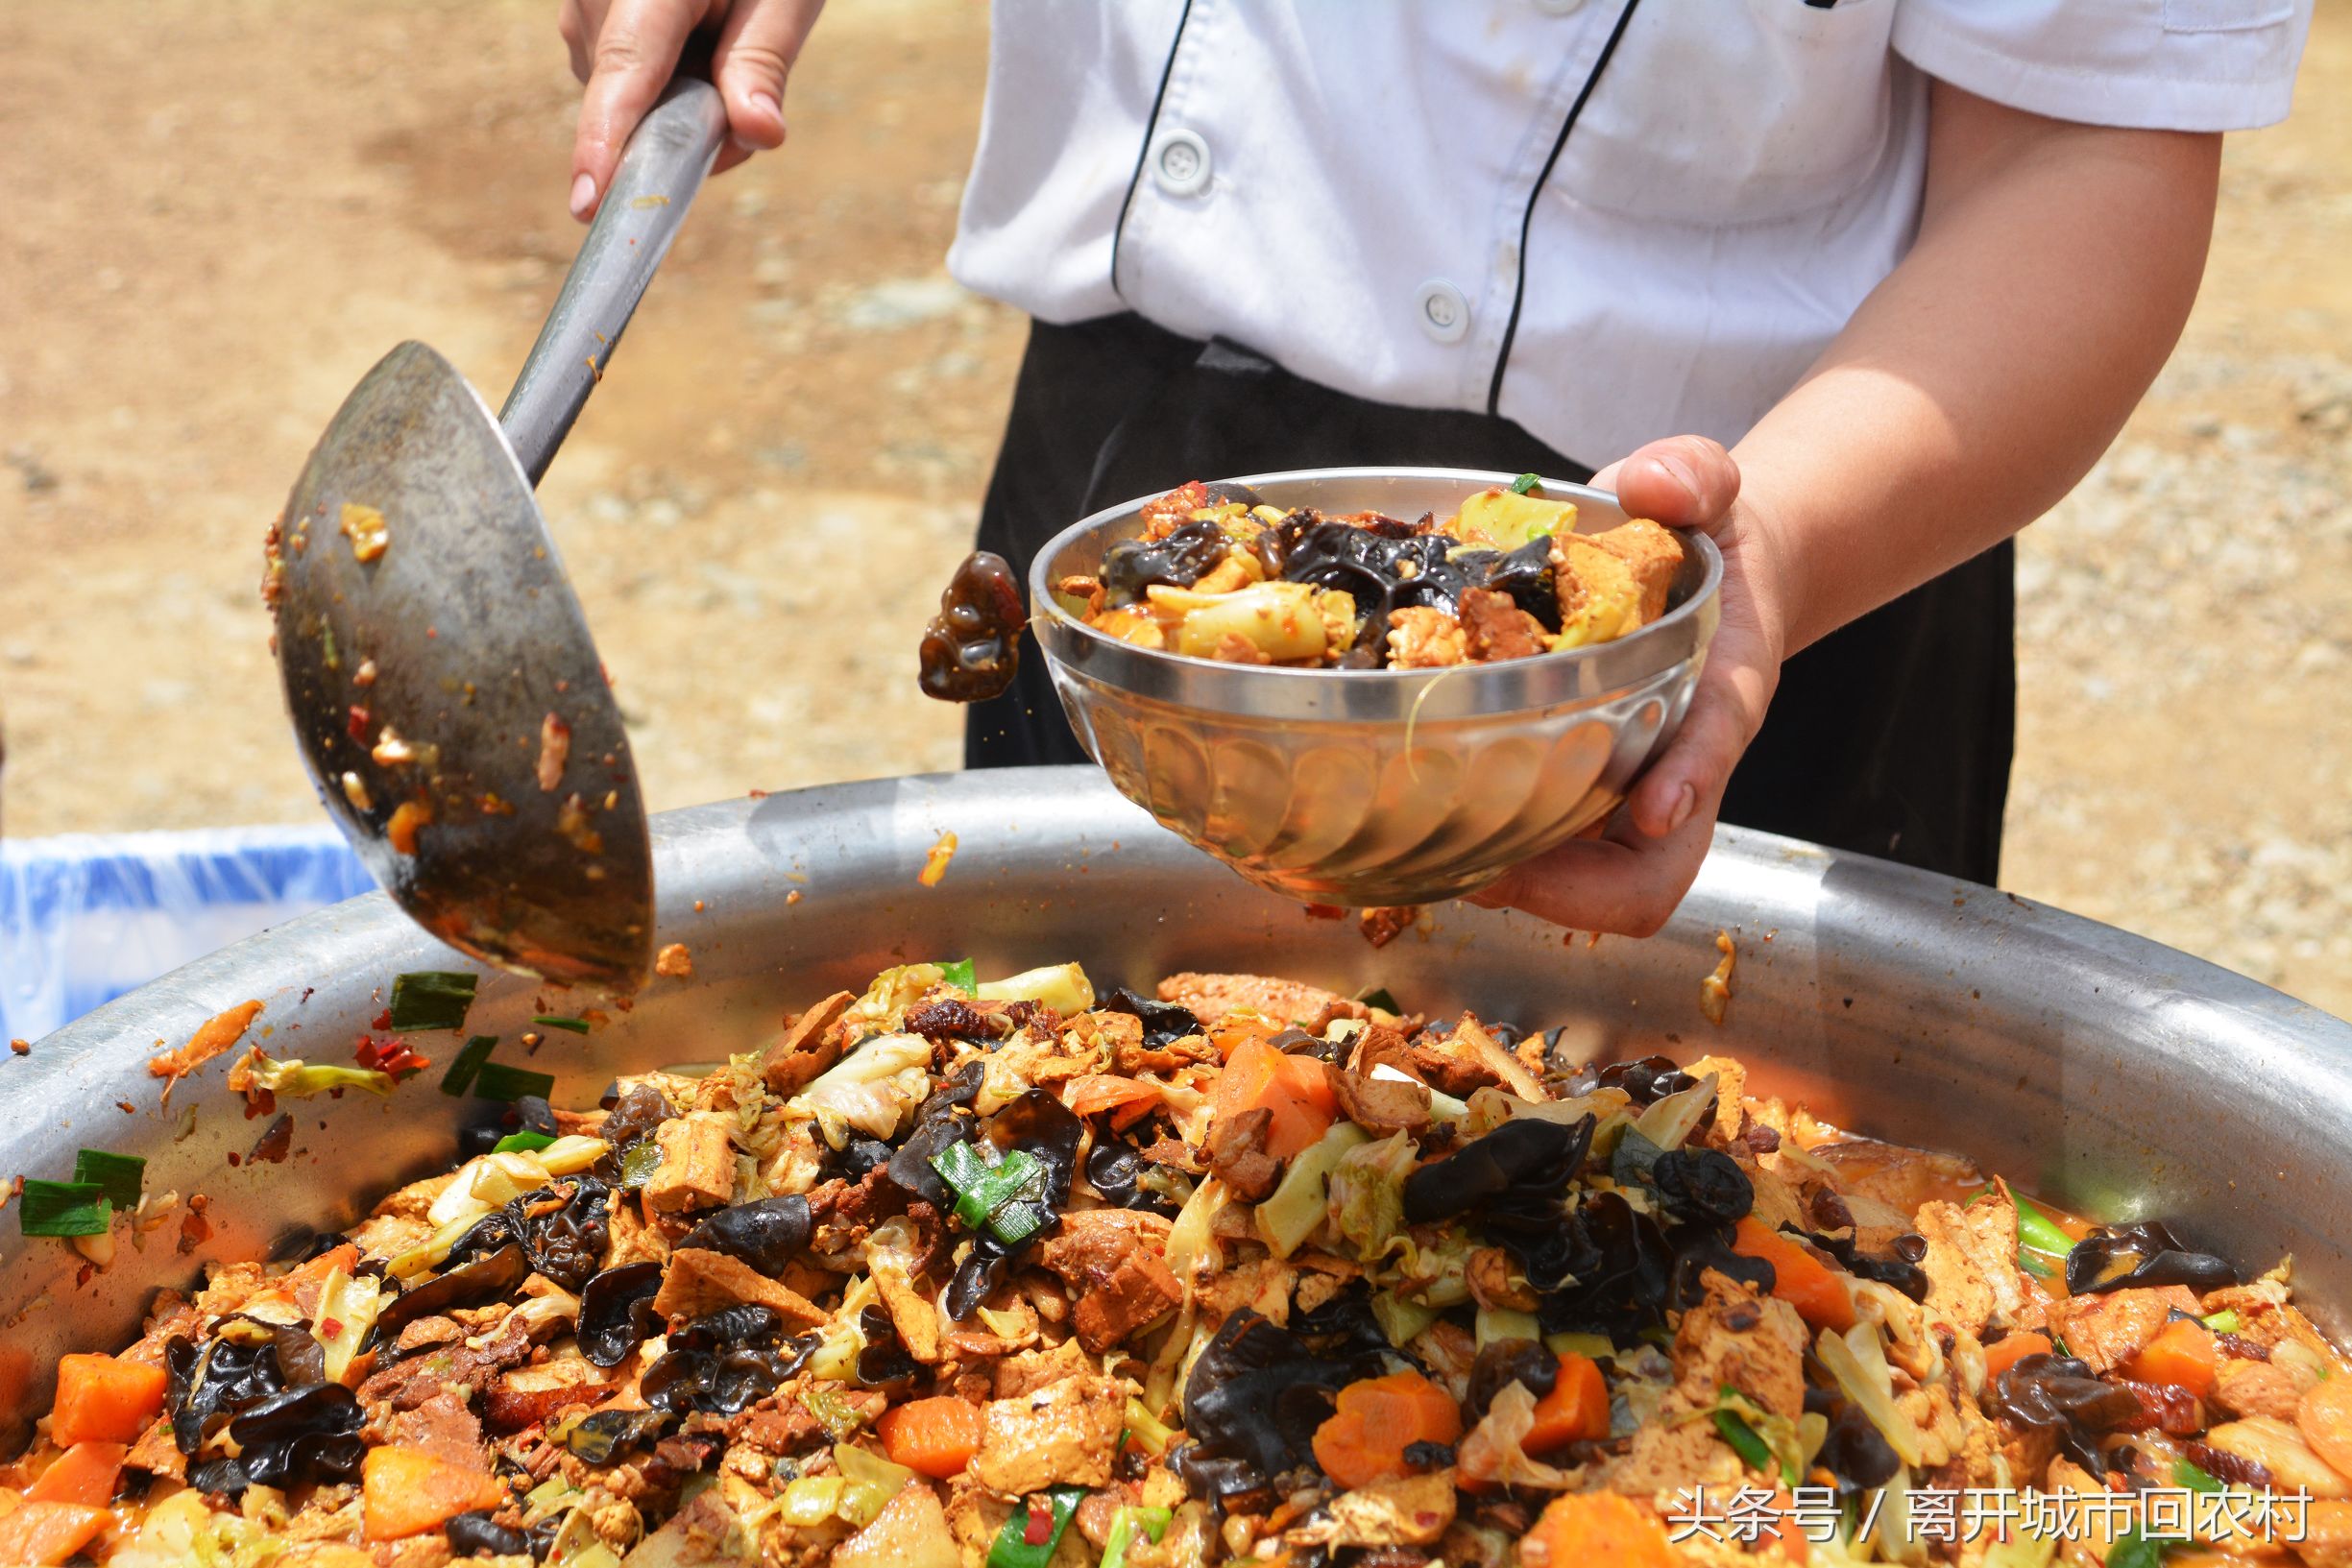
x: 1685, y: 804
x: 765, y: 104
x: 583, y: 195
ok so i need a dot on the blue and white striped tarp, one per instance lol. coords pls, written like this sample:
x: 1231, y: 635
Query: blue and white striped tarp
x: 85, y: 917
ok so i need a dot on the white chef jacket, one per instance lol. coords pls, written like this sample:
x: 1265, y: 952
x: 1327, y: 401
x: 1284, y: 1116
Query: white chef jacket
x: 1608, y: 219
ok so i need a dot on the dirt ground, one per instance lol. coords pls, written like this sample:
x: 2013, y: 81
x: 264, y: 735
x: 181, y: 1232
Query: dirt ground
x: 223, y: 212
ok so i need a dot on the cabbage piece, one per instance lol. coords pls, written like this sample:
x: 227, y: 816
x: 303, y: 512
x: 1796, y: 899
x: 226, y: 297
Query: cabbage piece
x: 1298, y: 1206
x: 294, y: 1079
x: 1401, y: 1319
x: 1670, y: 1122
x: 889, y: 997
x: 1494, y: 1452
x: 1496, y: 1324
x: 870, y: 1482
x: 572, y: 1154
x: 487, y: 1181
x: 1857, y: 1361
x: 347, y: 1311
x: 1062, y: 987
x: 1366, y: 1198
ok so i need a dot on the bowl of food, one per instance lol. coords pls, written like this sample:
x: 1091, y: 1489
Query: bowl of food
x: 1038, y: 1218
x: 1374, y: 687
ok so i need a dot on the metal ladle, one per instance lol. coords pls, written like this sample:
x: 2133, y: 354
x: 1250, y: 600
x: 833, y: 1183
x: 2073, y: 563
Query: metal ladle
x: 443, y: 687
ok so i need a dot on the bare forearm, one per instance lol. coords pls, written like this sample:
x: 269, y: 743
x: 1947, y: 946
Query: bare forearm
x: 2054, y: 268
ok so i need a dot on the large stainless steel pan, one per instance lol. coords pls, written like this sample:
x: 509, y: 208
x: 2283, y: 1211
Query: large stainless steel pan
x: 2114, y: 1074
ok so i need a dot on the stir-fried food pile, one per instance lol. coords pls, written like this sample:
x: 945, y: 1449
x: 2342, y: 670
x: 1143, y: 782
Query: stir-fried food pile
x: 1218, y: 574
x: 1012, y: 1276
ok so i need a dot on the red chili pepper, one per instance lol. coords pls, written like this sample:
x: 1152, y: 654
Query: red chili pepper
x: 358, y: 725
x: 1040, y: 1525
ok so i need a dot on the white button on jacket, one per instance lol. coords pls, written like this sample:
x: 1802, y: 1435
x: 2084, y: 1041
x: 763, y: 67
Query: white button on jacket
x: 1610, y: 220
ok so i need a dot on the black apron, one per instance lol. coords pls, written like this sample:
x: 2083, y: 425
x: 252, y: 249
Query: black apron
x: 1891, y: 736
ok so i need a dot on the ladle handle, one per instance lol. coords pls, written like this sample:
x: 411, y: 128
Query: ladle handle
x: 665, y: 162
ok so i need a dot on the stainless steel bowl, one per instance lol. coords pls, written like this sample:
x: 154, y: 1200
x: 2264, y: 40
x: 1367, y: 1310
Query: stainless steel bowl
x: 2114, y: 1076
x: 1370, y: 787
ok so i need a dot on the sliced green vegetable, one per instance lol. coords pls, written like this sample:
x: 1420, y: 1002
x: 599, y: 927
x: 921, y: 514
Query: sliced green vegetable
x: 529, y: 1140
x: 496, y: 1080
x: 638, y: 1162
x: 1006, y: 1198
x: 2196, y: 1477
x: 1376, y: 996
x: 469, y: 1060
x: 2133, y: 1550
x: 2037, y: 1232
x: 1527, y: 484
x: 1030, y: 1536
x: 64, y: 1208
x: 1130, y: 1518
x: 2035, y: 1263
x: 959, y: 975
x: 1302, y: 1201
x: 557, y: 1021
x: 1146, y: 1430
x: 431, y: 998
x: 2224, y: 1321
x: 1062, y: 987
x: 1745, y: 1442
x: 117, y: 1176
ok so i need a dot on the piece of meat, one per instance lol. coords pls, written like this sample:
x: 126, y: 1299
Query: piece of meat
x: 807, y: 1049
x: 443, y: 1426
x: 1210, y: 998
x: 1137, y: 1292
x: 409, y: 1382
x: 1034, y: 1369
x: 2253, y: 1388
x: 156, y: 1453
x: 2107, y: 1331
x: 1668, y: 1457
x: 1237, y: 1153
x: 699, y: 1281
x: 1379, y: 1104
x: 1474, y: 1058
x: 1423, y: 637
x: 1414, y: 1511
x: 697, y: 1168
x: 1494, y: 627
x: 528, y: 1395
x: 1065, y: 1434
x: 1959, y: 1295
x: 1092, y: 1240
x: 1755, y: 1344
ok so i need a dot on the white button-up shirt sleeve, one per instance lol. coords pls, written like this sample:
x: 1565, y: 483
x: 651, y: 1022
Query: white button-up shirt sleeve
x: 1608, y: 219
x: 2152, y: 64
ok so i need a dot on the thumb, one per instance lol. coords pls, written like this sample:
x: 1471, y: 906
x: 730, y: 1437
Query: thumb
x: 1683, y: 481
x: 634, y: 56
x: 754, y: 55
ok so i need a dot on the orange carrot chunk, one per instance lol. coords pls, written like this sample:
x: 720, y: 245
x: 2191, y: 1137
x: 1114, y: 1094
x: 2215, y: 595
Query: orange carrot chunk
x: 1819, y: 1293
x: 49, y: 1532
x: 104, y: 1399
x: 1377, y: 1419
x: 2009, y: 1349
x: 1576, y: 1408
x: 84, y: 1474
x: 1586, y: 1529
x: 2325, y: 1419
x: 408, y: 1491
x: 935, y: 1437
x: 1293, y: 1088
x: 2182, y: 1355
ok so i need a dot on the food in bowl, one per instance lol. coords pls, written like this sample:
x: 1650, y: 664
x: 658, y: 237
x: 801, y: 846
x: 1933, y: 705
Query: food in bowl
x: 1215, y: 573
x: 1016, y: 1274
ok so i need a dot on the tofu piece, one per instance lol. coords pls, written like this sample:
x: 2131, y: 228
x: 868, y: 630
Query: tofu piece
x: 1612, y: 583
x: 1065, y: 1434
x: 697, y: 1168
x: 807, y: 1049
x: 1754, y: 1344
x: 699, y: 1281
x: 1211, y: 997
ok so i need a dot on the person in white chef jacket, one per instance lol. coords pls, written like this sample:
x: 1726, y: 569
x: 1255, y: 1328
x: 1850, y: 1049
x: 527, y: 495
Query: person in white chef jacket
x: 1858, y: 288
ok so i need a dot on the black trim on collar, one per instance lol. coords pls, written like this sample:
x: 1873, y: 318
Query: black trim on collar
x: 1527, y: 219
x: 1142, y: 153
